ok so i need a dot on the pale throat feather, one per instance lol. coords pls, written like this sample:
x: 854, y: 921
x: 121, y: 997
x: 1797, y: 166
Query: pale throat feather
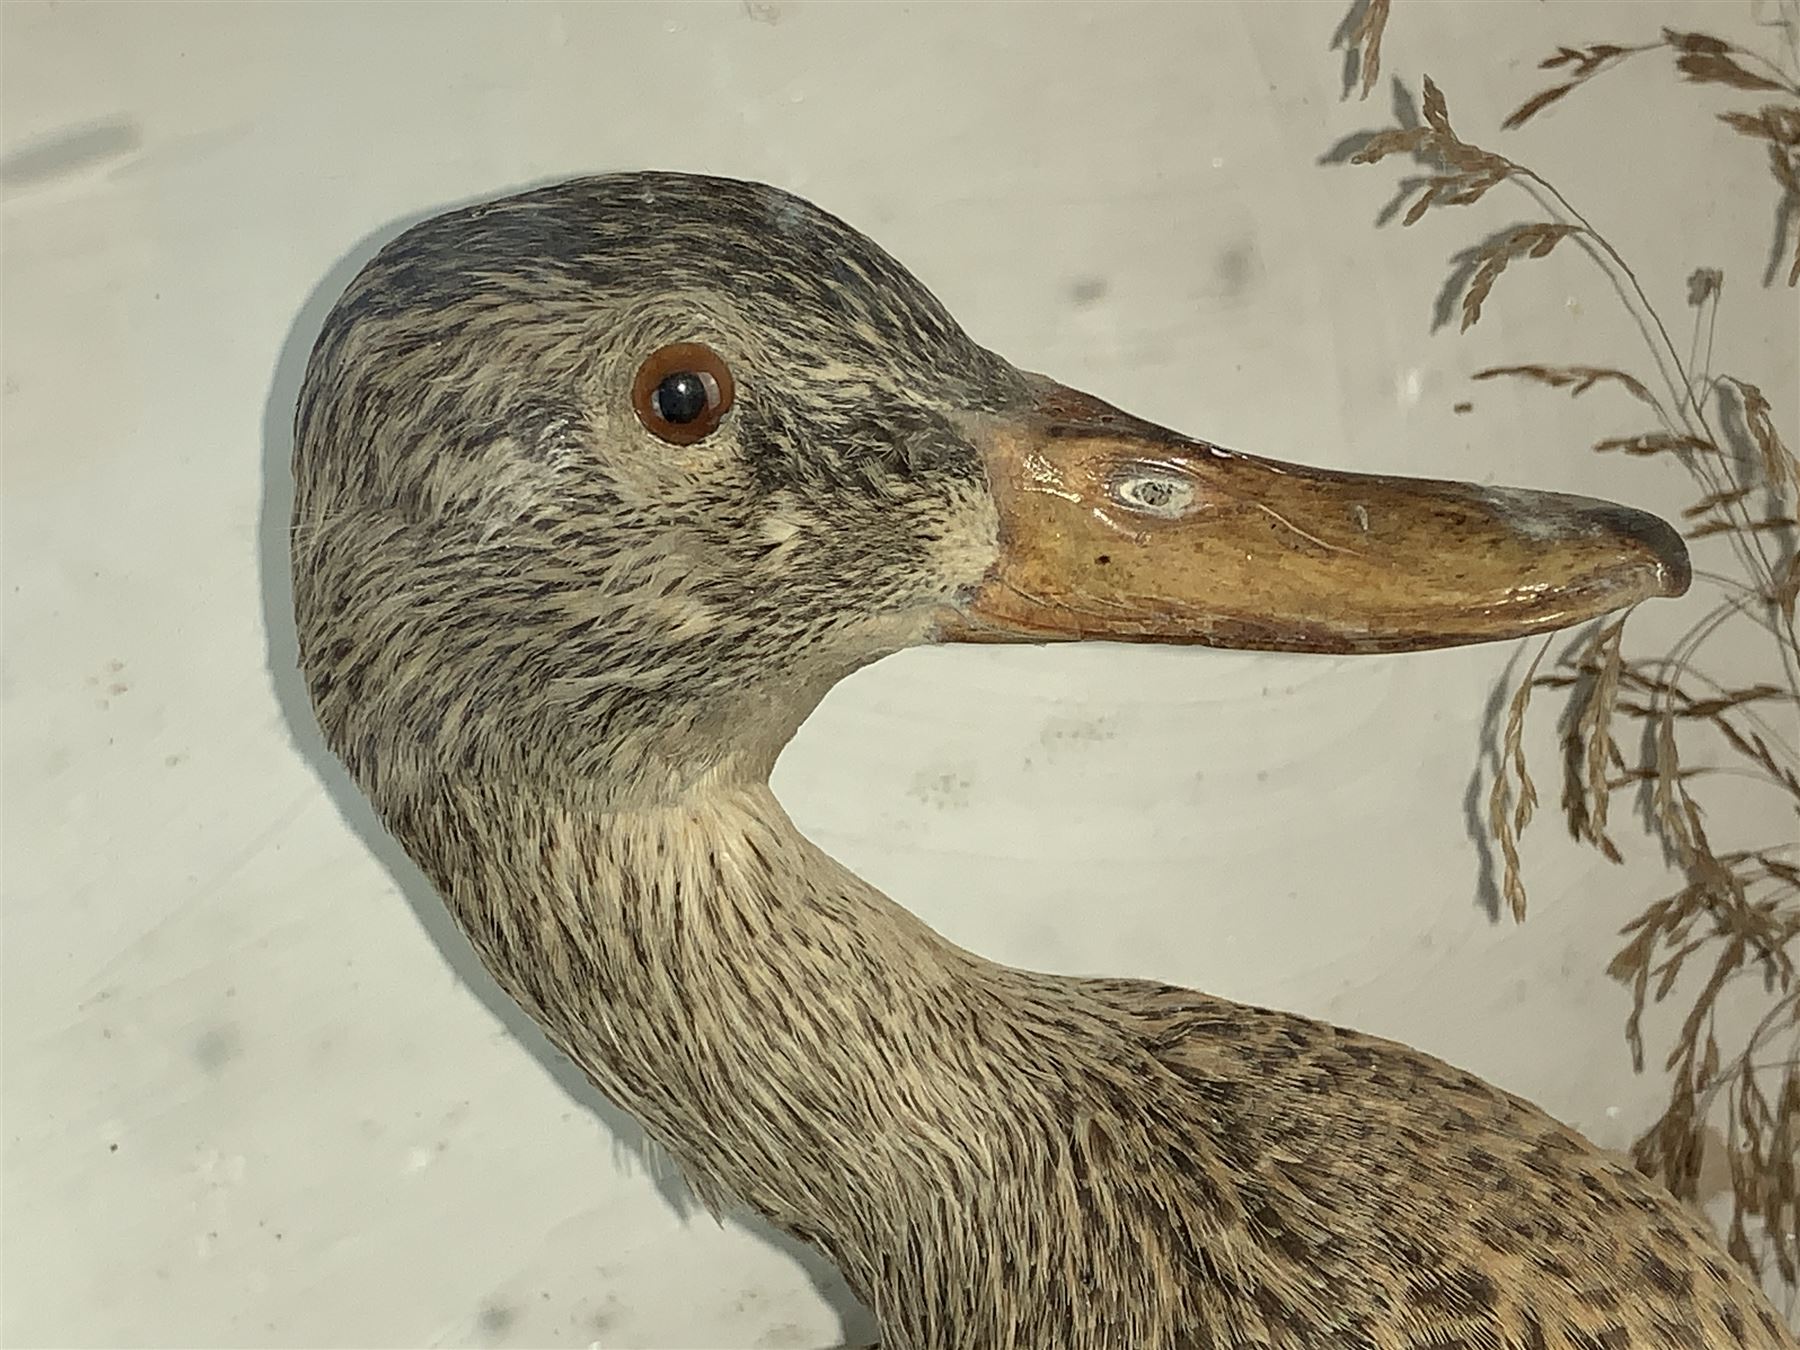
x: 779, y: 1025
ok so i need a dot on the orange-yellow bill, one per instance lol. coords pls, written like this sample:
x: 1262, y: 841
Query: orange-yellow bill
x: 1112, y: 528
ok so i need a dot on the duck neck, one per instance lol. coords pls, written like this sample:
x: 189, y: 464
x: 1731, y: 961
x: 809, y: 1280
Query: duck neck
x: 791, y: 1036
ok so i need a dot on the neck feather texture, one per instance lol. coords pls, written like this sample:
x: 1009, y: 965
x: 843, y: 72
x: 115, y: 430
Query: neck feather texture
x: 1010, y: 1160
x: 799, y: 1043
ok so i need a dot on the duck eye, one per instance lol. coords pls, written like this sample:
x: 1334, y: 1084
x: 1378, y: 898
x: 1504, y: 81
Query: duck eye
x: 683, y: 396
x: 682, y: 392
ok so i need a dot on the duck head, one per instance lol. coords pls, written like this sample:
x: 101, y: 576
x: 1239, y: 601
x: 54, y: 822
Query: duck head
x: 608, y: 482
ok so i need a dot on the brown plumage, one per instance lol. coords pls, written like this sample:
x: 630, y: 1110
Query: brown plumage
x: 561, y: 654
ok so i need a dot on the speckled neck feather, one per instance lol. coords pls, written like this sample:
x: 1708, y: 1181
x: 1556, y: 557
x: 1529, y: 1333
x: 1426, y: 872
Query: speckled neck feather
x: 1007, y: 1159
x: 561, y: 660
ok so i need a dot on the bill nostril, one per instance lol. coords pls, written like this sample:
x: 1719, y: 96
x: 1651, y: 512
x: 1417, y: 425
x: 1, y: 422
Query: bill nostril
x: 1153, y: 492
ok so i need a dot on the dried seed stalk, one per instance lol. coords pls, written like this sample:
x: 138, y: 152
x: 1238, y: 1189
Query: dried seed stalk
x: 1509, y: 814
x: 1360, y: 35
x: 1701, y: 59
x: 1524, y: 241
x: 1466, y: 172
x: 1581, y: 378
x: 1780, y: 468
x: 1658, y: 443
x: 1736, y: 912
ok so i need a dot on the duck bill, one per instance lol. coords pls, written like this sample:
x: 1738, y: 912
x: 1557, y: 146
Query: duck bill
x: 1114, y: 529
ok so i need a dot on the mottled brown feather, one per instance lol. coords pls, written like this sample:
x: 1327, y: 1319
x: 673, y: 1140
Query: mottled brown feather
x: 561, y: 658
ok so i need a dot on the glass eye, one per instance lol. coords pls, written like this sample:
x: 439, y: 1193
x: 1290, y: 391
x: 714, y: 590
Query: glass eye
x: 682, y: 392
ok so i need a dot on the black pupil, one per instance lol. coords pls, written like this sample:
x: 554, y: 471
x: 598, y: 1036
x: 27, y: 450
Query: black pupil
x: 681, y: 397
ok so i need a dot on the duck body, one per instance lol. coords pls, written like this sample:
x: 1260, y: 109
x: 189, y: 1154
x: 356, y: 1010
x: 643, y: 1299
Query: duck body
x: 561, y: 654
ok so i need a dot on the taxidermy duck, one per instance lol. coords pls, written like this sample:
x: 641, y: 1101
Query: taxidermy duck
x: 602, y: 486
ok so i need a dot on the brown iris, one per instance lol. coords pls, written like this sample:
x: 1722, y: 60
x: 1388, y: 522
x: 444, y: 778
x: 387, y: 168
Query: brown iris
x: 682, y: 392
